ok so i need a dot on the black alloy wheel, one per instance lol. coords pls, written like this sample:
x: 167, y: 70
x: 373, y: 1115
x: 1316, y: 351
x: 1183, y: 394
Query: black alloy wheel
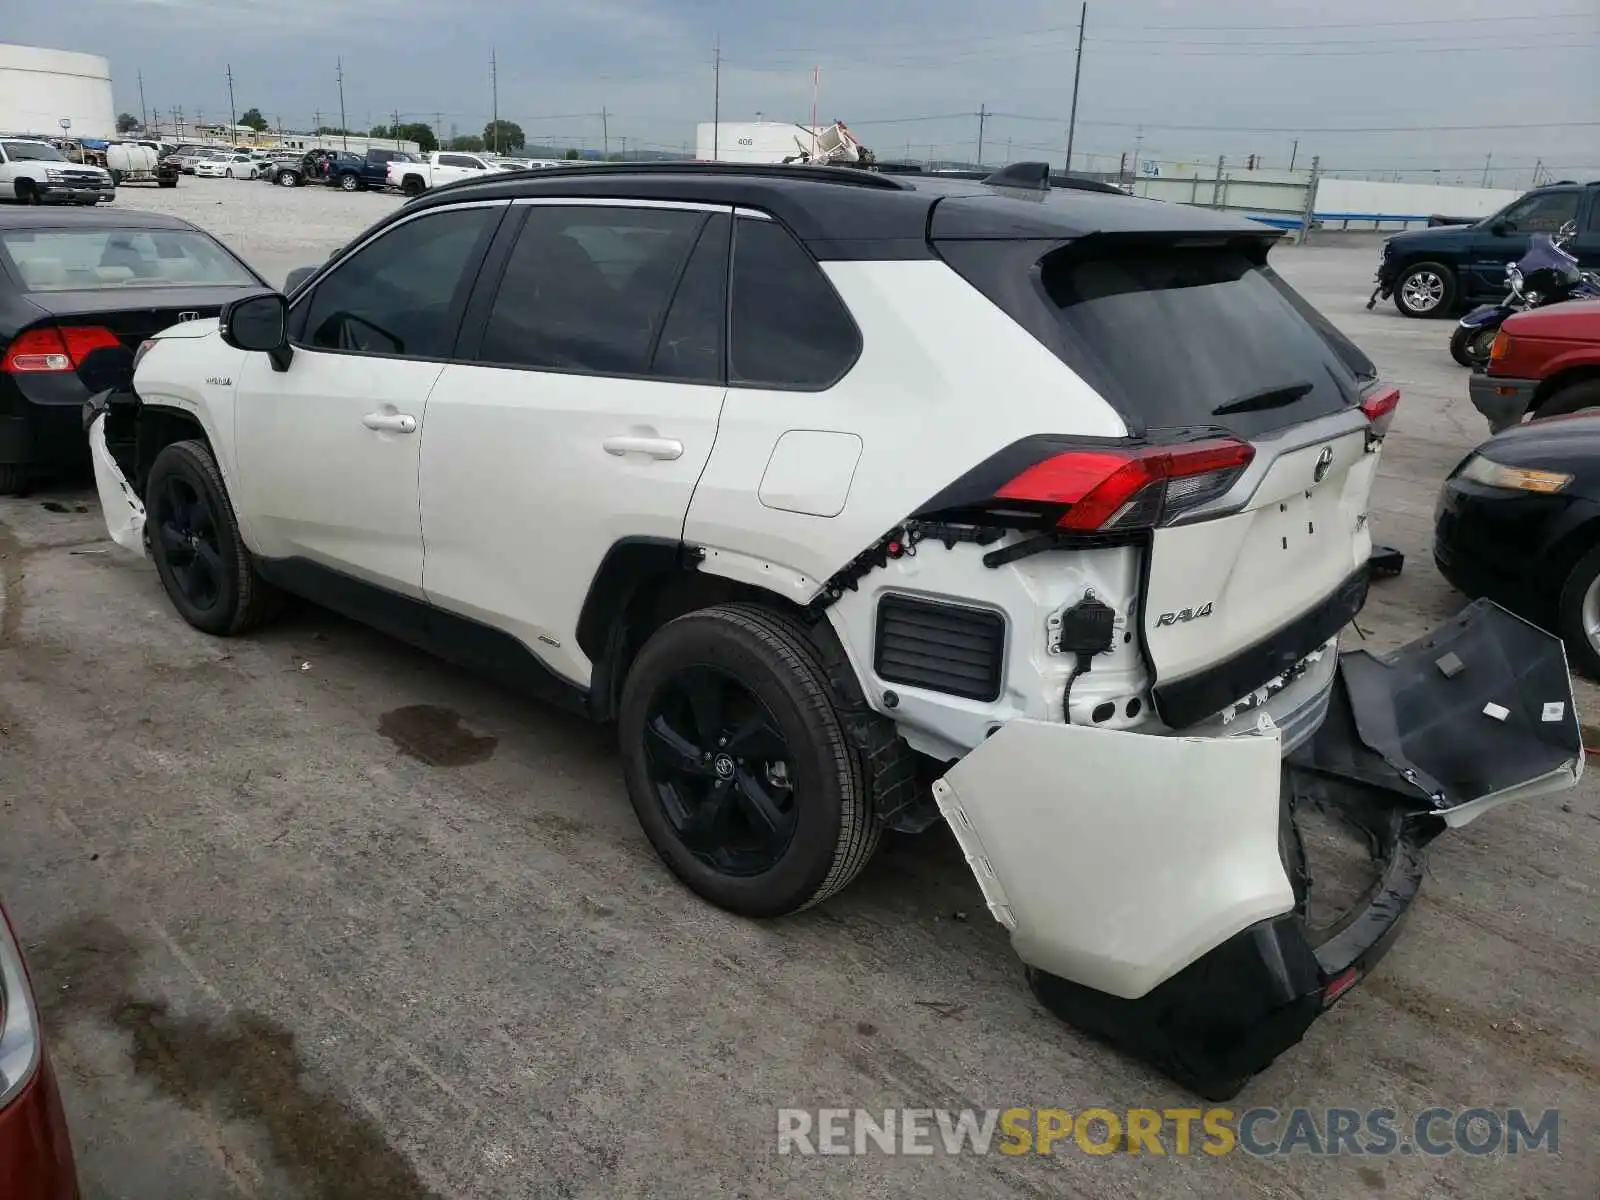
x: 721, y: 771
x: 190, y: 546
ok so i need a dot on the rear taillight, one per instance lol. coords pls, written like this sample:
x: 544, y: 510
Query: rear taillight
x: 1111, y: 490
x: 1378, y: 407
x: 53, y: 349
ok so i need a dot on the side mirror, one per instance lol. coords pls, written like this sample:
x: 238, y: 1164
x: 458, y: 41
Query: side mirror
x: 1500, y: 229
x: 256, y: 322
x: 297, y: 277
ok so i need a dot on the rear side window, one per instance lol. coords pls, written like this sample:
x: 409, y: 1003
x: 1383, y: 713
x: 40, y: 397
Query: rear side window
x: 788, y: 327
x: 586, y: 288
x: 1175, y: 337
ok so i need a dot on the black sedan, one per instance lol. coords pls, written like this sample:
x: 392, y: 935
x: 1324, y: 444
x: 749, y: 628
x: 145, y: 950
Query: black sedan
x: 1518, y: 522
x: 73, y: 281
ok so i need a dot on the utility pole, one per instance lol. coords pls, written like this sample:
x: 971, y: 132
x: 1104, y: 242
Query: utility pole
x: 494, y: 92
x: 982, y: 117
x: 716, y: 98
x: 1077, y: 71
x: 316, y: 122
x: 605, y: 134
x: 1293, y: 153
x: 1138, y: 145
x: 438, y: 128
x: 1489, y: 158
x: 143, y: 113
x: 233, y: 113
x: 624, y: 146
x: 339, y: 68
x: 395, y: 129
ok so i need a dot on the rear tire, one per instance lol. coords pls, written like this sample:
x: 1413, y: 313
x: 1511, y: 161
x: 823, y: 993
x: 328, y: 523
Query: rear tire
x: 204, y: 565
x: 13, y: 479
x: 288, y: 179
x: 1575, y: 397
x: 1470, y: 347
x: 755, y: 798
x: 1425, y: 289
x: 1579, y: 612
x: 412, y: 185
x: 349, y: 183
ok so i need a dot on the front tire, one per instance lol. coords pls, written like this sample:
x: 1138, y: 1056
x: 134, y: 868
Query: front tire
x: 1575, y: 397
x: 1578, y: 614
x: 204, y: 565
x: 288, y: 179
x: 1426, y: 289
x: 13, y: 479
x: 738, y: 766
x: 349, y: 183
x: 1470, y: 347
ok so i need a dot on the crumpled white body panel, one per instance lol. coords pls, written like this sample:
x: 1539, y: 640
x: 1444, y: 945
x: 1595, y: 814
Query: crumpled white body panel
x: 1117, y: 859
x: 124, y: 511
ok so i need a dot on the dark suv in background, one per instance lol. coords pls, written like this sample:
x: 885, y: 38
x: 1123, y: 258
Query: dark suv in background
x: 356, y: 172
x: 1432, y: 272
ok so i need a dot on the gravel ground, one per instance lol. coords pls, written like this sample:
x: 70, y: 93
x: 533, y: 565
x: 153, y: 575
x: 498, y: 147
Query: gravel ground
x: 313, y: 915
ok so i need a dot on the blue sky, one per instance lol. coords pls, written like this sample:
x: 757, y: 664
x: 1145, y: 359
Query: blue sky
x: 1287, y: 68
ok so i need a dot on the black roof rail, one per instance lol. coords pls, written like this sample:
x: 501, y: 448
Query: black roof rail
x: 850, y: 176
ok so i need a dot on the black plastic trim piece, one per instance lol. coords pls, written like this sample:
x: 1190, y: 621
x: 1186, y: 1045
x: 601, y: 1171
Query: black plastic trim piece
x: 1183, y: 702
x: 630, y: 565
x: 959, y: 650
x: 481, y: 648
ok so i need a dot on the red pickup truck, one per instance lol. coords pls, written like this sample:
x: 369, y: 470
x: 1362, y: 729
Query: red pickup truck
x: 1544, y: 362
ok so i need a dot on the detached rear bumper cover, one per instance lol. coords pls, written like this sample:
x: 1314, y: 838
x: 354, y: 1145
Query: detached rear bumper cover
x: 1144, y: 880
x: 124, y: 511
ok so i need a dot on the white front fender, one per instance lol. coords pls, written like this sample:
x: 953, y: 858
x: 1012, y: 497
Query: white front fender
x: 1117, y: 859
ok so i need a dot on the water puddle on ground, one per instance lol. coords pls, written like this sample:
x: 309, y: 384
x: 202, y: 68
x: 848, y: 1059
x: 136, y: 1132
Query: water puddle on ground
x: 244, y: 1066
x: 434, y: 735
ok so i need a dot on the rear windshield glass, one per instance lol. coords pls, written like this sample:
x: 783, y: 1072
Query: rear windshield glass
x: 1178, y: 338
x: 82, y: 260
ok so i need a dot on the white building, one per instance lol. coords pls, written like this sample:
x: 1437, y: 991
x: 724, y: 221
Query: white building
x: 40, y: 89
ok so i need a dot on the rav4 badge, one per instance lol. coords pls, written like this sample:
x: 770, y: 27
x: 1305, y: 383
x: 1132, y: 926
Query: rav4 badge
x: 1183, y: 615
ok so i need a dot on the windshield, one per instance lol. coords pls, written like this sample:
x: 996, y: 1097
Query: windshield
x: 82, y: 260
x: 32, y: 152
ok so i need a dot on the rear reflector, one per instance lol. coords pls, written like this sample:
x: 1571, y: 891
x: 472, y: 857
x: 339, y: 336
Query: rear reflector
x: 1379, y: 406
x: 53, y: 349
x: 1338, y: 985
x: 1132, y: 487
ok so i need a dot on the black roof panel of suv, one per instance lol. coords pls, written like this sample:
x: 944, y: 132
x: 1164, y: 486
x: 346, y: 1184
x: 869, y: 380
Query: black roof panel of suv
x: 851, y: 214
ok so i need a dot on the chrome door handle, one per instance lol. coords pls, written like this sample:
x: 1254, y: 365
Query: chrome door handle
x: 390, y: 422
x: 655, y: 447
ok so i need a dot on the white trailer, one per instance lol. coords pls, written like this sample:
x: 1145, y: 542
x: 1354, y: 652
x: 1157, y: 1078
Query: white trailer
x: 754, y: 141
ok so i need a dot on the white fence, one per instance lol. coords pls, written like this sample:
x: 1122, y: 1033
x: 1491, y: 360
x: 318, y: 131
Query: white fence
x: 1369, y: 204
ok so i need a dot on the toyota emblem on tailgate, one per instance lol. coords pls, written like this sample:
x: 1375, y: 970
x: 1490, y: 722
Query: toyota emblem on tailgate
x: 1324, y: 461
x: 194, y: 316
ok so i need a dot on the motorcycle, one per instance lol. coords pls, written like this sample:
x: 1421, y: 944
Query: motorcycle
x: 1546, y: 274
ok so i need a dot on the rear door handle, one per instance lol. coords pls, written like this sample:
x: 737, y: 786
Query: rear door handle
x: 655, y: 447
x: 390, y: 422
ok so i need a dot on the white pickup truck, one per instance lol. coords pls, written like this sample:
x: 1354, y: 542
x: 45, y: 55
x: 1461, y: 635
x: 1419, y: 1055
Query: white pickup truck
x: 444, y: 166
x: 35, y: 172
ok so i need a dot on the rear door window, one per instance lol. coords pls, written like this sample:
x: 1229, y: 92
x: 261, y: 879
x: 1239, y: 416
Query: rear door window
x: 1175, y: 337
x: 586, y: 288
x: 788, y: 327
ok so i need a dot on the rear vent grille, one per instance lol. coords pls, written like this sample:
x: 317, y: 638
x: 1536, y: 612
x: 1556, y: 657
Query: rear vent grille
x: 941, y: 647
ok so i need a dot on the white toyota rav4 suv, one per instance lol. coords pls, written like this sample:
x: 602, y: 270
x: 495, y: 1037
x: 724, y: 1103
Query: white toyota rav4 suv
x: 857, y: 501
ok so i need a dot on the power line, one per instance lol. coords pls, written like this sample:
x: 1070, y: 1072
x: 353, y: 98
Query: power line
x: 1453, y: 21
x: 1255, y: 48
x: 1277, y: 128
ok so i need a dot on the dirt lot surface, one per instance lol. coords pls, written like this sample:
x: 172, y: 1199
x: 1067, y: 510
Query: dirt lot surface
x: 313, y: 915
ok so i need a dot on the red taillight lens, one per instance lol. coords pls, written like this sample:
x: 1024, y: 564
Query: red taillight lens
x: 1133, y: 487
x: 1379, y: 406
x: 54, y: 349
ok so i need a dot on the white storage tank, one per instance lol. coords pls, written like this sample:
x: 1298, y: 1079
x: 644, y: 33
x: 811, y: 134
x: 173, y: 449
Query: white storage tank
x: 40, y: 88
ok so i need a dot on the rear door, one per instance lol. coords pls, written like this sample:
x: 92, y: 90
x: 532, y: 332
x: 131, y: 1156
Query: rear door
x: 585, y: 414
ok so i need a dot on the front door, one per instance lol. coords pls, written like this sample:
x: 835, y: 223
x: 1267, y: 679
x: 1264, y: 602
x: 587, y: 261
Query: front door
x: 328, y: 450
x: 1543, y: 212
x: 587, y: 421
